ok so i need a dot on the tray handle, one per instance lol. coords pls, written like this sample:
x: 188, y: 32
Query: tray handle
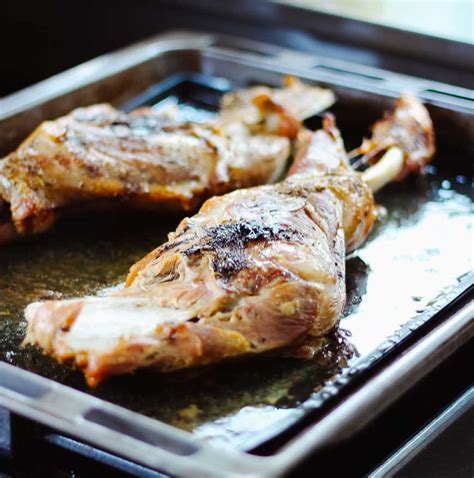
x: 120, y: 431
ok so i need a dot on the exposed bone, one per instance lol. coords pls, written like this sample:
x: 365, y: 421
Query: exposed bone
x: 386, y: 170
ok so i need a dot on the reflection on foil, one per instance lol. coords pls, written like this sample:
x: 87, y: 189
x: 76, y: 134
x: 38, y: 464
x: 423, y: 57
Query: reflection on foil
x: 241, y: 428
x: 412, y: 256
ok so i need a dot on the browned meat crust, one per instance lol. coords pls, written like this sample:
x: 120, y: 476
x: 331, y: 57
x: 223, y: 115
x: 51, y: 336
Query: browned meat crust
x: 408, y: 126
x: 253, y: 271
x: 98, y: 153
x: 98, y: 157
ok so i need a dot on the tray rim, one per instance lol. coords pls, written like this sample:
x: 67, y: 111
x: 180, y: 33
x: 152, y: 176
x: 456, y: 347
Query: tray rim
x: 105, y: 65
x: 50, y: 410
x: 63, y: 408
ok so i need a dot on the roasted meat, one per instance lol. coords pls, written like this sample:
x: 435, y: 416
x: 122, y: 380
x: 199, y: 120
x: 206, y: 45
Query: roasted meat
x: 406, y: 128
x: 98, y: 157
x: 255, y: 270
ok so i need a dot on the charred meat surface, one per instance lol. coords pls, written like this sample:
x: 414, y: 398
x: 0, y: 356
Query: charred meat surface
x: 100, y: 158
x: 253, y: 271
x: 408, y: 126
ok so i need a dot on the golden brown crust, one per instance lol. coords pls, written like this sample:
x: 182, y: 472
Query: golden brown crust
x: 408, y: 126
x: 146, y: 160
x: 255, y: 270
x: 187, y: 345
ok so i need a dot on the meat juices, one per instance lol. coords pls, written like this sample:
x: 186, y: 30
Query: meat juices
x: 255, y: 270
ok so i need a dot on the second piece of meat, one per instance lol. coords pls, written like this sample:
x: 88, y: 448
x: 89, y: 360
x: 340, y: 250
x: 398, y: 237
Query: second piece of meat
x: 98, y: 157
x: 255, y: 270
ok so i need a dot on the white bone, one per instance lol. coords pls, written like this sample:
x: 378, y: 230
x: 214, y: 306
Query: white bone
x: 385, y: 170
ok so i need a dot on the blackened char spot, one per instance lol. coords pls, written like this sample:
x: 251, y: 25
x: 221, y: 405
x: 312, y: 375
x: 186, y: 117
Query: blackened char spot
x: 182, y: 238
x: 228, y: 242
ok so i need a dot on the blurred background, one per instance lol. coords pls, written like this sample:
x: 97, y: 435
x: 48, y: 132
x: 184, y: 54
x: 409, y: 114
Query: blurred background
x: 428, y: 38
x: 452, y: 19
x: 40, y: 39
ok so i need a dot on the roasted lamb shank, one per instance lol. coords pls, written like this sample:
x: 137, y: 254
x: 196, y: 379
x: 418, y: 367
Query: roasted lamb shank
x: 255, y: 270
x: 98, y: 157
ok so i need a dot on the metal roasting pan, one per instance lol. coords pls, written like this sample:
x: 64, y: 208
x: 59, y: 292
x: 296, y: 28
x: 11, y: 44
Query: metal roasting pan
x: 409, y: 288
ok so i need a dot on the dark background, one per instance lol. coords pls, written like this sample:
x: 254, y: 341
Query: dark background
x: 39, y: 39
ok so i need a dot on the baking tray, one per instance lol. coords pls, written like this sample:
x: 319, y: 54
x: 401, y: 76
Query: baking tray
x: 408, y: 287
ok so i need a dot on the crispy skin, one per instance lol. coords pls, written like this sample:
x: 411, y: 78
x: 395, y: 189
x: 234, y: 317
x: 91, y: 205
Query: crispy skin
x: 407, y: 125
x: 276, y: 110
x: 255, y: 270
x: 97, y: 157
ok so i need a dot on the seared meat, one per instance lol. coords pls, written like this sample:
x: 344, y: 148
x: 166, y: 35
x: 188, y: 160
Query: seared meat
x: 97, y: 157
x: 262, y: 109
x: 408, y: 127
x: 255, y: 270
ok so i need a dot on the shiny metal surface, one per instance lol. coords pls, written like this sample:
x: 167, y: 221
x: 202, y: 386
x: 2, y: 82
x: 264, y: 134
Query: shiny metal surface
x: 451, y: 19
x: 396, y: 464
x: 413, y: 233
